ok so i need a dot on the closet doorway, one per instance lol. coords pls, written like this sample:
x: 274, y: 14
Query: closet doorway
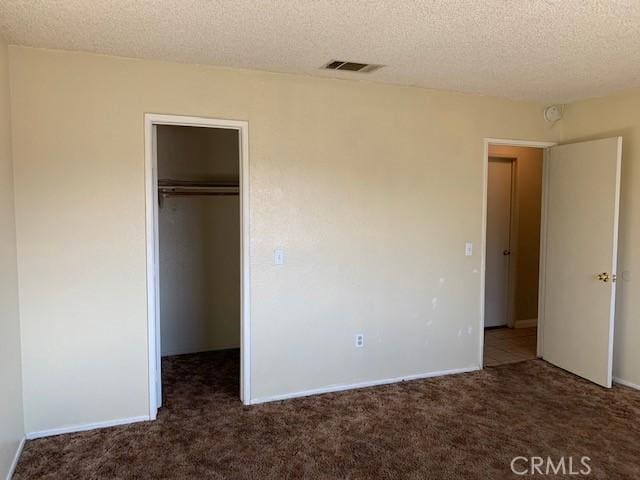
x: 197, y: 247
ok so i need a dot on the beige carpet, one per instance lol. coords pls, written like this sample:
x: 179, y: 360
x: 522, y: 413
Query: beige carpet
x: 467, y: 426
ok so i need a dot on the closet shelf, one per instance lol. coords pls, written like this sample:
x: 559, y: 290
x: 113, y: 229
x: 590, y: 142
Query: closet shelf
x: 176, y: 188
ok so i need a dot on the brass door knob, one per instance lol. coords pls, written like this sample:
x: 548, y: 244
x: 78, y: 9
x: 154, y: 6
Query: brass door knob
x: 606, y: 277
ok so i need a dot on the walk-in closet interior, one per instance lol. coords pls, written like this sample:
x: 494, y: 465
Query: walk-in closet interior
x: 199, y: 249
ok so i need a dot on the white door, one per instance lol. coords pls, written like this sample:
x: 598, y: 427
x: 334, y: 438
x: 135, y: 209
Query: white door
x: 579, y: 245
x: 498, y: 240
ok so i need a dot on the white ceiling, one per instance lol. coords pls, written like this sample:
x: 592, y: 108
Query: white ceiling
x: 547, y: 50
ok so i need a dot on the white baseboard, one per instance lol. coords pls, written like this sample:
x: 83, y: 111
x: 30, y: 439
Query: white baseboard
x: 16, y: 458
x: 528, y: 323
x: 625, y: 383
x: 86, y: 426
x: 352, y: 386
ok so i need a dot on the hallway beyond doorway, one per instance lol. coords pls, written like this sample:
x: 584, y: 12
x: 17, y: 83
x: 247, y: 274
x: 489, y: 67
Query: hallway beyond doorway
x: 509, y: 345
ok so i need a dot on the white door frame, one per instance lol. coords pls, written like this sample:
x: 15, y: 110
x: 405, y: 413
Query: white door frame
x: 483, y: 246
x: 151, y: 186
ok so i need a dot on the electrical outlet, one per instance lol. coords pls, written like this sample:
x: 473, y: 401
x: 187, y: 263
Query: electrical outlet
x: 359, y: 340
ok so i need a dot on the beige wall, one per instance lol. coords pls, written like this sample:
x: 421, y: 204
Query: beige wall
x: 372, y: 191
x: 607, y: 117
x: 526, y: 208
x: 199, y: 242
x: 11, y: 418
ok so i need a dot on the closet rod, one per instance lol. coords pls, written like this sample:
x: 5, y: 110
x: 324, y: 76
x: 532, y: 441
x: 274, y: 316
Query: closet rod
x: 165, y: 191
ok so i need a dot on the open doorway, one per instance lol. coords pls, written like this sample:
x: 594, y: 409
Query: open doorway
x: 578, y: 232
x: 514, y: 204
x: 197, y: 249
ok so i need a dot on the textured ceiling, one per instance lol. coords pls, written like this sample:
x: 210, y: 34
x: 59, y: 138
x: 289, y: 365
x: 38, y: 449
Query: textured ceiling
x: 553, y: 50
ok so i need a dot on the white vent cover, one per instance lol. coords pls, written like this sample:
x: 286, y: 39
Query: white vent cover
x: 351, y: 66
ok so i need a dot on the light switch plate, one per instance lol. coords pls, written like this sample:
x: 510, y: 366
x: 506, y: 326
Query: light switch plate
x: 468, y: 249
x: 278, y: 257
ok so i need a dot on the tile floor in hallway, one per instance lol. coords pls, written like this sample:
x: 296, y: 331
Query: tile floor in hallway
x: 509, y: 345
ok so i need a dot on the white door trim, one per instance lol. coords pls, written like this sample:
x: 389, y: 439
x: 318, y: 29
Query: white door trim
x: 151, y: 190
x: 544, y: 202
x: 483, y: 246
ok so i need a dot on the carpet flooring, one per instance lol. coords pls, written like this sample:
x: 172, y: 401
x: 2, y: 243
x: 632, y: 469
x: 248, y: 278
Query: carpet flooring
x: 466, y: 426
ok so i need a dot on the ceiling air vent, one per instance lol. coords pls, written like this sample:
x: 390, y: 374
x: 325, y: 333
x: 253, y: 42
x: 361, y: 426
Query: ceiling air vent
x: 351, y: 66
